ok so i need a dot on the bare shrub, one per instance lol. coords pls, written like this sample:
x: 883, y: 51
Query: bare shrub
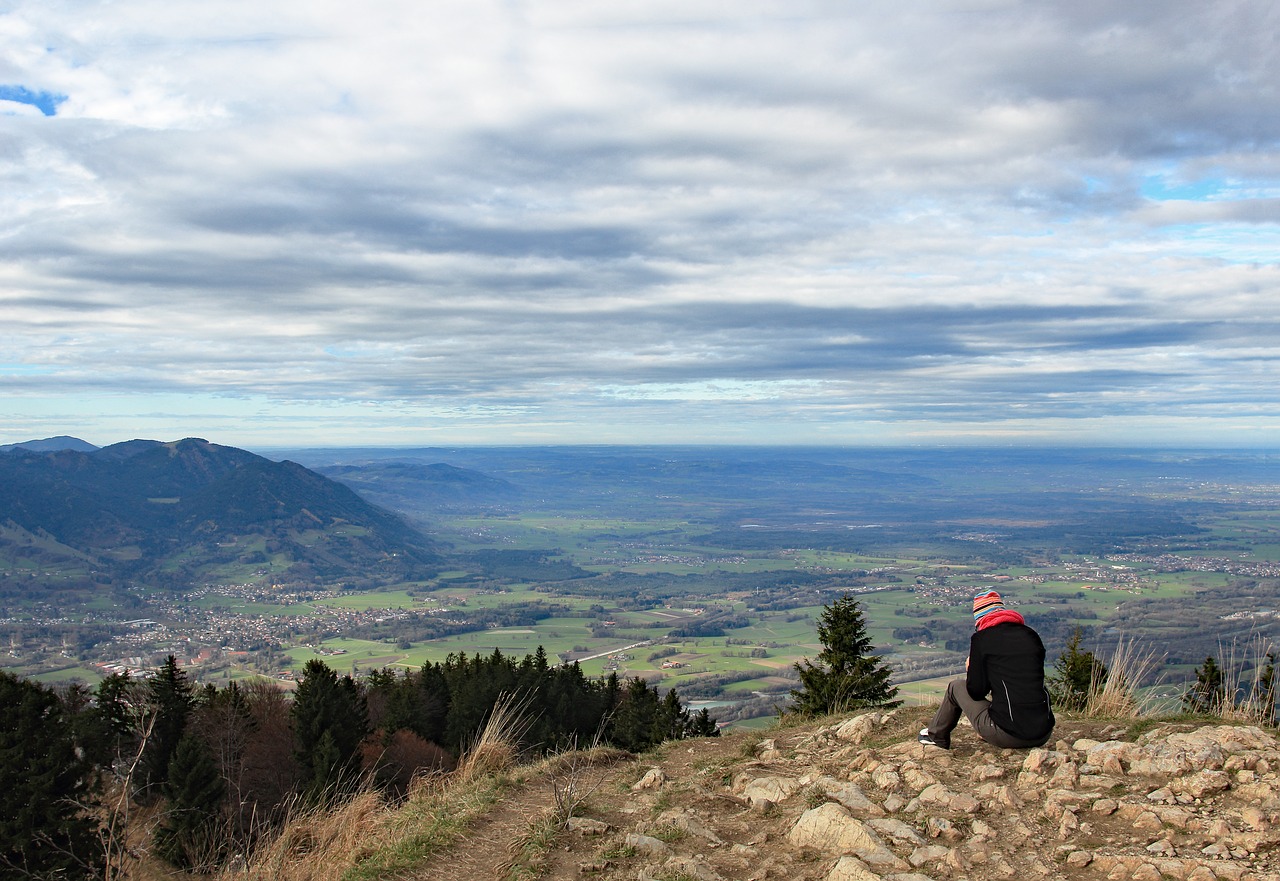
x: 396, y: 761
x: 574, y: 775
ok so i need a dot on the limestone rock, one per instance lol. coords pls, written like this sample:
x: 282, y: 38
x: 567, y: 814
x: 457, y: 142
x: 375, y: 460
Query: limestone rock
x: 1078, y: 859
x: 894, y: 803
x: 1146, y: 872
x: 886, y: 779
x: 897, y: 830
x: 1105, y: 806
x: 689, y: 823
x: 941, y: 827
x: 1067, y: 776
x: 692, y: 867
x: 653, y: 779
x: 850, y: 795
x: 767, y: 749
x: 916, y: 778
x: 587, y: 826
x: 1041, y: 761
x: 851, y: 869
x: 940, y: 797
x: 857, y: 729
x: 1147, y: 821
x: 986, y: 772
x: 1203, y: 783
x: 831, y: 829
x: 1112, y: 756
x: 929, y: 853
x: 997, y: 796
x: 646, y: 844
x: 767, y: 789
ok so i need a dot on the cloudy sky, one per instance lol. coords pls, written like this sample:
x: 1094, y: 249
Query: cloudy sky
x: 946, y: 221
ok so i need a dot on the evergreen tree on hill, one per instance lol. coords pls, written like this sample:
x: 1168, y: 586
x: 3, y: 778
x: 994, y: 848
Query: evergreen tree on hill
x: 189, y: 837
x: 637, y: 722
x: 847, y: 676
x: 44, y: 831
x: 330, y: 718
x: 1208, y: 694
x: 703, y: 725
x: 170, y: 697
x: 1076, y: 674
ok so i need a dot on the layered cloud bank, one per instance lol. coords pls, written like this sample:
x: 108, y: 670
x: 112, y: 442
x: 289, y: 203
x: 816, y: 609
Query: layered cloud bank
x: 759, y: 222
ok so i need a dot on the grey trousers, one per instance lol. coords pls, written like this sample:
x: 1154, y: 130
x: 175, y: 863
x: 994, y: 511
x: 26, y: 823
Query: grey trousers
x: 956, y: 701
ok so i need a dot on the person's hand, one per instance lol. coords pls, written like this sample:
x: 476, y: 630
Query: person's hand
x: 966, y: 665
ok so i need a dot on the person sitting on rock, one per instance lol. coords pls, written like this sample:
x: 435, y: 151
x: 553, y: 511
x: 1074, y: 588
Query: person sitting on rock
x: 1006, y: 661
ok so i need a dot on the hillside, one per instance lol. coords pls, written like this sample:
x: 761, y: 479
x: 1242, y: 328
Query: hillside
x: 182, y: 512
x: 846, y: 799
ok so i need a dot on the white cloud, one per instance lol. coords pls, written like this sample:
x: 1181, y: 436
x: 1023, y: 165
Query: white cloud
x: 637, y: 220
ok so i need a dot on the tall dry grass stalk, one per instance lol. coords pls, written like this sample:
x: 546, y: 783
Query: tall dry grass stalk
x: 1243, y: 698
x: 498, y: 745
x: 1116, y: 696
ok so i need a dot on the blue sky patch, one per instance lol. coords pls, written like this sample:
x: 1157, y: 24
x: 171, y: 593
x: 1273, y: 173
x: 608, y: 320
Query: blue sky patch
x: 46, y: 102
x: 1163, y: 187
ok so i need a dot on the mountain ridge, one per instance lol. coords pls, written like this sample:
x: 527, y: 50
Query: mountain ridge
x: 157, y: 512
x: 50, y: 444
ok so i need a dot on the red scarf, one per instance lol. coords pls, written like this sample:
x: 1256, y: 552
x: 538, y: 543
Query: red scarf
x: 1000, y: 616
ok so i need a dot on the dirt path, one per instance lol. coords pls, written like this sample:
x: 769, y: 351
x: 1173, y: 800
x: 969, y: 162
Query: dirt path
x: 486, y: 850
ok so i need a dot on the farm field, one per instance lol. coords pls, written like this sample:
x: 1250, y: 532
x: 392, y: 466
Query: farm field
x: 707, y: 570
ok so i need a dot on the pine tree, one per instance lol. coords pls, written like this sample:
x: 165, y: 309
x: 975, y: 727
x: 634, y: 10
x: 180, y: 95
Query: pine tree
x: 170, y: 697
x: 1076, y: 675
x: 188, y: 837
x: 636, y: 724
x: 330, y: 719
x: 223, y: 721
x: 847, y: 676
x: 673, y: 721
x: 44, y: 831
x: 703, y: 725
x: 1208, y: 694
x: 120, y: 699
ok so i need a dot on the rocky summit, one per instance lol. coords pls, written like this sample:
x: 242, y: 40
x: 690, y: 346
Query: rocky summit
x: 858, y: 799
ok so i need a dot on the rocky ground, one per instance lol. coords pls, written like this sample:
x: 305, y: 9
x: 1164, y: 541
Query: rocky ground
x: 857, y: 798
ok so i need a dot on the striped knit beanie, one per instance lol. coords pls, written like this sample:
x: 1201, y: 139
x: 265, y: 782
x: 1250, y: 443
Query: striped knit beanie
x: 986, y: 602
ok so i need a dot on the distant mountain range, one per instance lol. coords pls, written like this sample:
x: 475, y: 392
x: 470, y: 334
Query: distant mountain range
x: 424, y: 489
x: 51, y: 444
x: 185, y: 512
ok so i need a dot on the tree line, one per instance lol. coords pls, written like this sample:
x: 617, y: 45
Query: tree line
x: 224, y: 767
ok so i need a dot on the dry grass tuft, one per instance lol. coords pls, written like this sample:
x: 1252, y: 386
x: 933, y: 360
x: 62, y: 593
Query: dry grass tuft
x: 498, y: 746
x: 1117, y: 696
x: 321, y: 844
x: 1245, y: 698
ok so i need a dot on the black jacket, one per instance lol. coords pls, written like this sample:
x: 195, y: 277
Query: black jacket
x: 1007, y: 662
